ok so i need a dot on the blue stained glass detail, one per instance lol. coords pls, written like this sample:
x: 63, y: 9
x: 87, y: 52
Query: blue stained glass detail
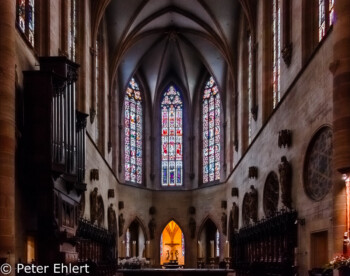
x: 25, y: 18
x: 133, y: 133
x: 171, y: 132
x: 211, y: 109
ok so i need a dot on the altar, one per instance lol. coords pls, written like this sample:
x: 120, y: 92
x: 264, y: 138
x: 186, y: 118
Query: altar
x: 175, y: 272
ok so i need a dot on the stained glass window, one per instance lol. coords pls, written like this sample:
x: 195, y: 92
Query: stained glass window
x: 183, y: 244
x: 325, y: 17
x: 25, y: 18
x: 128, y: 253
x: 133, y: 133
x: 97, y: 86
x: 211, y: 108
x: 331, y: 11
x: 72, y: 36
x: 321, y: 19
x: 276, y: 33
x: 161, y: 246
x: 171, y: 122
x: 217, y: 243
x: 250, y: 104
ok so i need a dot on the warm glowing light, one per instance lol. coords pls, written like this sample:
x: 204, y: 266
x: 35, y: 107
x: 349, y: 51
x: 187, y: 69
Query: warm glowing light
x: 30, y: 249
x: 347, y: 190
x: 172, y: 243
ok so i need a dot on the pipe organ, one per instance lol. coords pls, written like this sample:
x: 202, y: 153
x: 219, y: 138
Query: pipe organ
x: 54, y: 138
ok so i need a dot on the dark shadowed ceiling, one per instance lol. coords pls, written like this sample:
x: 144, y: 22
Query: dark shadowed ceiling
x: 178, y: 40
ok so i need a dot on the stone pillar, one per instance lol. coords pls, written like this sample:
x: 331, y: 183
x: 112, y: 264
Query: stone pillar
x: 340, y: 68
x: 7, y: 130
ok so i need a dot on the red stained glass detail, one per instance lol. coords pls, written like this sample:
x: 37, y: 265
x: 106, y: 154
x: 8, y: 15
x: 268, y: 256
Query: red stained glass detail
x: 211, y: 109
x: 133, y: 133
x: 171, y: 119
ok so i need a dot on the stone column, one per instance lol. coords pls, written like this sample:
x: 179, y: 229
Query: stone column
x: 7, y: 130
x: 340, y: 68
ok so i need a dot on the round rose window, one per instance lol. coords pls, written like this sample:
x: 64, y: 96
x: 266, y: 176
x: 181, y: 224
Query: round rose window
x: 318, y: 165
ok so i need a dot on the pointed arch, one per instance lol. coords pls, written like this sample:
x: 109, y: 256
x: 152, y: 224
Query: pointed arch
x: 133, y: 121
x: 142, y: 226
x: 220, y: 42
x: 133, y: 133
x: 135, y: 238
x: 157, y: 130
x: 202, y: 225
x: 209, y: 236
x: 172, y: 244
x: 98, y: 10
x: 211, y: 132
x: 169, y: 220
x: 171, y: 106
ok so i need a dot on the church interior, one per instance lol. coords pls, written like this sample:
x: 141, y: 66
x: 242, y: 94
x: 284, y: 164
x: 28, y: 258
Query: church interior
x: 144, y: 137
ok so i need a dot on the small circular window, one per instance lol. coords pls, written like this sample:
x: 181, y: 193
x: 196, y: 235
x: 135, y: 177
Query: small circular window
x: 318, y: 165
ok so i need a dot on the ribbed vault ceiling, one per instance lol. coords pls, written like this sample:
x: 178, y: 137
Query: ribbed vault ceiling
x: 168, y: 40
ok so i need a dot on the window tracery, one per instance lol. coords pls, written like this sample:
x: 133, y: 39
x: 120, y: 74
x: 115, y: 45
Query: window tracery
x: 325, y: 17
x: 171, y: 137
x: 250, y: 95
x: 72, y: 35
x: 25, y: 19
x: 211, y: 107
x: 276, y: 34
x: 133, y: 133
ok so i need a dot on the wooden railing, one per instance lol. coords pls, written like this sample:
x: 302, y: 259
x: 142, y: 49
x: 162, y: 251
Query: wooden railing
x: 96, y: 247
x: 267, y: 248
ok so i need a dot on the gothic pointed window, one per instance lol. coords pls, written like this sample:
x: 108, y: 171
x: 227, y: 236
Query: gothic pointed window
x: 99, y: 87
x: 318, y: 22
x: 171, y: 143
x: 331, y: 12
x: 72, y: 34
x: 250, y: 80
x: 276, y: 39
x: 133, y: 133
x: 325, y: 16
x: 128, y: 249
x: 217, y: 243
x: 321, y: 19
x: 25, y: 19
x: 211, y: 108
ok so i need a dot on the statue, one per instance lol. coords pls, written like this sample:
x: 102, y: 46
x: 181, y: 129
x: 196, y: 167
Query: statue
x: 224, y: 223
x: 285, y: 138
x: 112, y: 223
x: 152, y: 227
x: 234, y: 215
x: 121, y: 222
x: 100, y: 211
x: 253, y: 204
x: 285, y: 170
x: 246, y: 209
x: 192, y: 226
x: 93, y: 205
x: 81, y: 206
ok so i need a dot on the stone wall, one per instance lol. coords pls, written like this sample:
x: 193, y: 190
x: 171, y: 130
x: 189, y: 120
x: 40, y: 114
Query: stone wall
x: 306, y: 106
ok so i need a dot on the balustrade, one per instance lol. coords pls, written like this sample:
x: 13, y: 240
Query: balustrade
x: 267, y: 247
